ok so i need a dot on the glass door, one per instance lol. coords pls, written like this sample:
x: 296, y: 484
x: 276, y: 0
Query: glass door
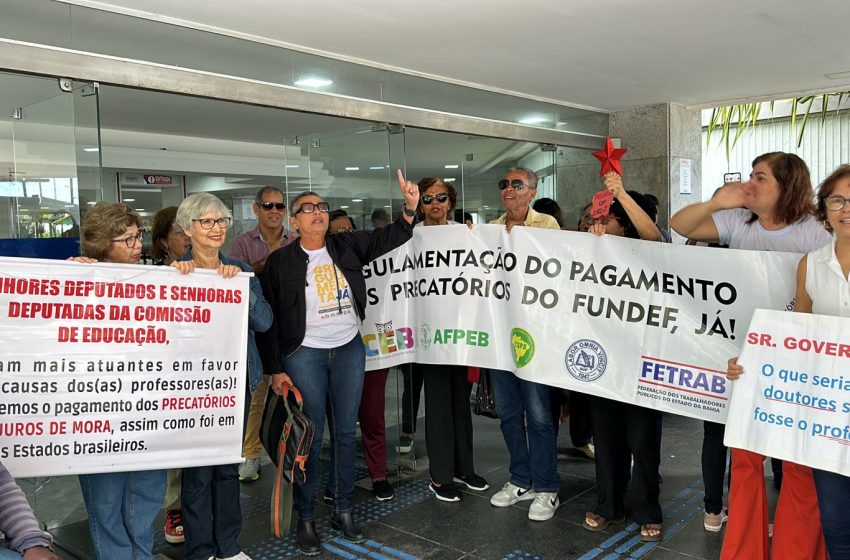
x: 55, y: 171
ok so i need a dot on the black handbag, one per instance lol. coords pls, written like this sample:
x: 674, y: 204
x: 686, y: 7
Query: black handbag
x: 485, y: 405
x: 287, y: 436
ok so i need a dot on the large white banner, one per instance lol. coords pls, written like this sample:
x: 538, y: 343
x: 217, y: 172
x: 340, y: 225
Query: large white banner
x: 793, y: 401
x: 118, y: 367
x: 649, y: 323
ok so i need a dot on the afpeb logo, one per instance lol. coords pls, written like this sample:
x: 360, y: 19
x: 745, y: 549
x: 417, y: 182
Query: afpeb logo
x: 522, y: 346
x: 586, y: 360
x: 426, y: 336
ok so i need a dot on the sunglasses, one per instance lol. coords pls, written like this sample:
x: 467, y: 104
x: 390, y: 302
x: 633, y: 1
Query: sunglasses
x: 309, y: 208
x: 428, y: 199
x: 275, y: 205
x: 516, y: 185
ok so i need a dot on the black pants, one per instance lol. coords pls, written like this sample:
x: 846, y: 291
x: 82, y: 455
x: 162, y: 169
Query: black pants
x: 619, y: 431
x: 448, y: 421
x: 713, y: 465
x: 412, y: 379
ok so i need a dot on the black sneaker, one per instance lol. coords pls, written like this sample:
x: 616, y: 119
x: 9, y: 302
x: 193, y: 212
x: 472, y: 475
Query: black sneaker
x: 405, y: 444
x: 383, y: 490
x: 473, y: 482
x: 445, y: 493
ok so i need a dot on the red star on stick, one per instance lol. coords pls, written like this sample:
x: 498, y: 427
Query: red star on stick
x: 610, y: 158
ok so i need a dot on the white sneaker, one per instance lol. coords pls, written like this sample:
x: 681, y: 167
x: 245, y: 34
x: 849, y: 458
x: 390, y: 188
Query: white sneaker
x: 249, y: 471
x: 240, y: 556
x: 510, y: 494
x: 543, y: 507
x: 589, y: 450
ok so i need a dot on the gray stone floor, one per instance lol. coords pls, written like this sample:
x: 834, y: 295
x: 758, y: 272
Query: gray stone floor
x: 416, y: 526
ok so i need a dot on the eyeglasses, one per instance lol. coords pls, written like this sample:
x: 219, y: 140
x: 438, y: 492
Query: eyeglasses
x: 132, y: 240
x: 276, y: 205
x: 208, y: 223
x: 310, y: 207
x: 516, y: 185
x: 836, y: 203
x: 428, y: 199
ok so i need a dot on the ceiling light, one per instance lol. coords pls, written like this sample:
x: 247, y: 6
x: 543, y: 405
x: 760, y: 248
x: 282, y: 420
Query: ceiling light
x: 70, y: 206
x: 533, y: 120
x: 381, y: 167
x: 452, y: 166
x: 356, y: 200
x: 91, y: 149
x: 91, y: 203
x: 448, y: 179
x: 292, y: 166
x: 313, y: 82
x: 387, y: 206
x: 485, y: 207
x: 352, y: 168
x: 140, y: 209
x: 45, y: 207
x: 129, y: 200
x: 343, y: 207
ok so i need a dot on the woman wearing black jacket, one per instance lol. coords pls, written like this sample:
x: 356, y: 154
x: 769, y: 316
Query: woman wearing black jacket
x: 318, y: 295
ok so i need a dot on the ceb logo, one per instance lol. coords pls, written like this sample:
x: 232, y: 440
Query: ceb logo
x: 388, y: 340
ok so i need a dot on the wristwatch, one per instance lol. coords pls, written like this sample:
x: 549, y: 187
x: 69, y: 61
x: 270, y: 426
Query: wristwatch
x: 409, y: 212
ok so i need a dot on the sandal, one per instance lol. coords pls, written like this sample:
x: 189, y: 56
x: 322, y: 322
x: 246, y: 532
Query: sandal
x: 645, y: 530
x: 601, y: 522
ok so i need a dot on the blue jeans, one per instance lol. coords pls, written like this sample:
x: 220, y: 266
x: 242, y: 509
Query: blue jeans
x: 833, y: 495
x: 333, y: 377
x: 521, y: 403
x: 9, y: 554
x: 122, y: 507
x: 212, y: 513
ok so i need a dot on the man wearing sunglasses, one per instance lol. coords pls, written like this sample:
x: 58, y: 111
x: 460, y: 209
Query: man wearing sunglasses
x: 523, y: 406
x: 253, y: 248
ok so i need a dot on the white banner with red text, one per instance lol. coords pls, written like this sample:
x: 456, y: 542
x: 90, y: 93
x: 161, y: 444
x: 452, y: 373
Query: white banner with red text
x: 119, y: 367
x: 641, y: 322
x: 793, y: 400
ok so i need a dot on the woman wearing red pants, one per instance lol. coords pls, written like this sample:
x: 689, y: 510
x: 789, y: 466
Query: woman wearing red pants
x: 773, y: 211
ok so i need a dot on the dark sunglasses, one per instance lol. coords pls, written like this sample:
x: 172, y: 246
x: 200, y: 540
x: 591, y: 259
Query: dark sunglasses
x: 270, y: 205
x: 428, y: 199
x: 516, y: 185
x: 309, y: 208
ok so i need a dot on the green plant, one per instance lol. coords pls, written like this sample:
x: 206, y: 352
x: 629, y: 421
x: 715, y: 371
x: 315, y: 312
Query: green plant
x: 745, y: 115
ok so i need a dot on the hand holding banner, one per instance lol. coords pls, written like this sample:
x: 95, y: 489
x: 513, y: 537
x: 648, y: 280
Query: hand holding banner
x: 793, y: 400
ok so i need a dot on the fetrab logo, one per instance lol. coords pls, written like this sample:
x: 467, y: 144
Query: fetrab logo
x: 586, y: 360
x: 388, y: 340
x: 522, y: 346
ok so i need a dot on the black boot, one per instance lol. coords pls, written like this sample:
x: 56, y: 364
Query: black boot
x: 309, y: 542
x: 350, y: 530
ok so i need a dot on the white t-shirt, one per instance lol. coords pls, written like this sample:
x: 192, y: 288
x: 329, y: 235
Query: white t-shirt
x: 801, y: 237
x: 331, y: 321
x: 826, y: 283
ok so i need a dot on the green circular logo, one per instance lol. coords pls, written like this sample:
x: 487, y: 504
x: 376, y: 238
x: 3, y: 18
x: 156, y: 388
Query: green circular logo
x: 522, y: 346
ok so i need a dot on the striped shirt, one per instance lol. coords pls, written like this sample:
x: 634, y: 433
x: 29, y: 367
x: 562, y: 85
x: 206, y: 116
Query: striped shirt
x: 17, y: 521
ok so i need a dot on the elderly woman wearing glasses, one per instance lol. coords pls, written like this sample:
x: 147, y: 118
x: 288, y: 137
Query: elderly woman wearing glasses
x: 212, y: 518
x: 317, y: 290
x: 121, y: 506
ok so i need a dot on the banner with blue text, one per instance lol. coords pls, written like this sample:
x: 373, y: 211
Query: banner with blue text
x: 648, y: 323
x: 119, y: 367
x: 793, y: 401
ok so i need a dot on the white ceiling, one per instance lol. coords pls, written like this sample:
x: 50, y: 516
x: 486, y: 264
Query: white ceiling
x: 607, y: 54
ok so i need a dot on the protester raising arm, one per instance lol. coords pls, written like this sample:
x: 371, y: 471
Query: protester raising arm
x: 643, y: 223
x: 695, y: 221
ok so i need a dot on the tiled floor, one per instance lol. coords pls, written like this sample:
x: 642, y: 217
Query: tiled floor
x: 416, y: 526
